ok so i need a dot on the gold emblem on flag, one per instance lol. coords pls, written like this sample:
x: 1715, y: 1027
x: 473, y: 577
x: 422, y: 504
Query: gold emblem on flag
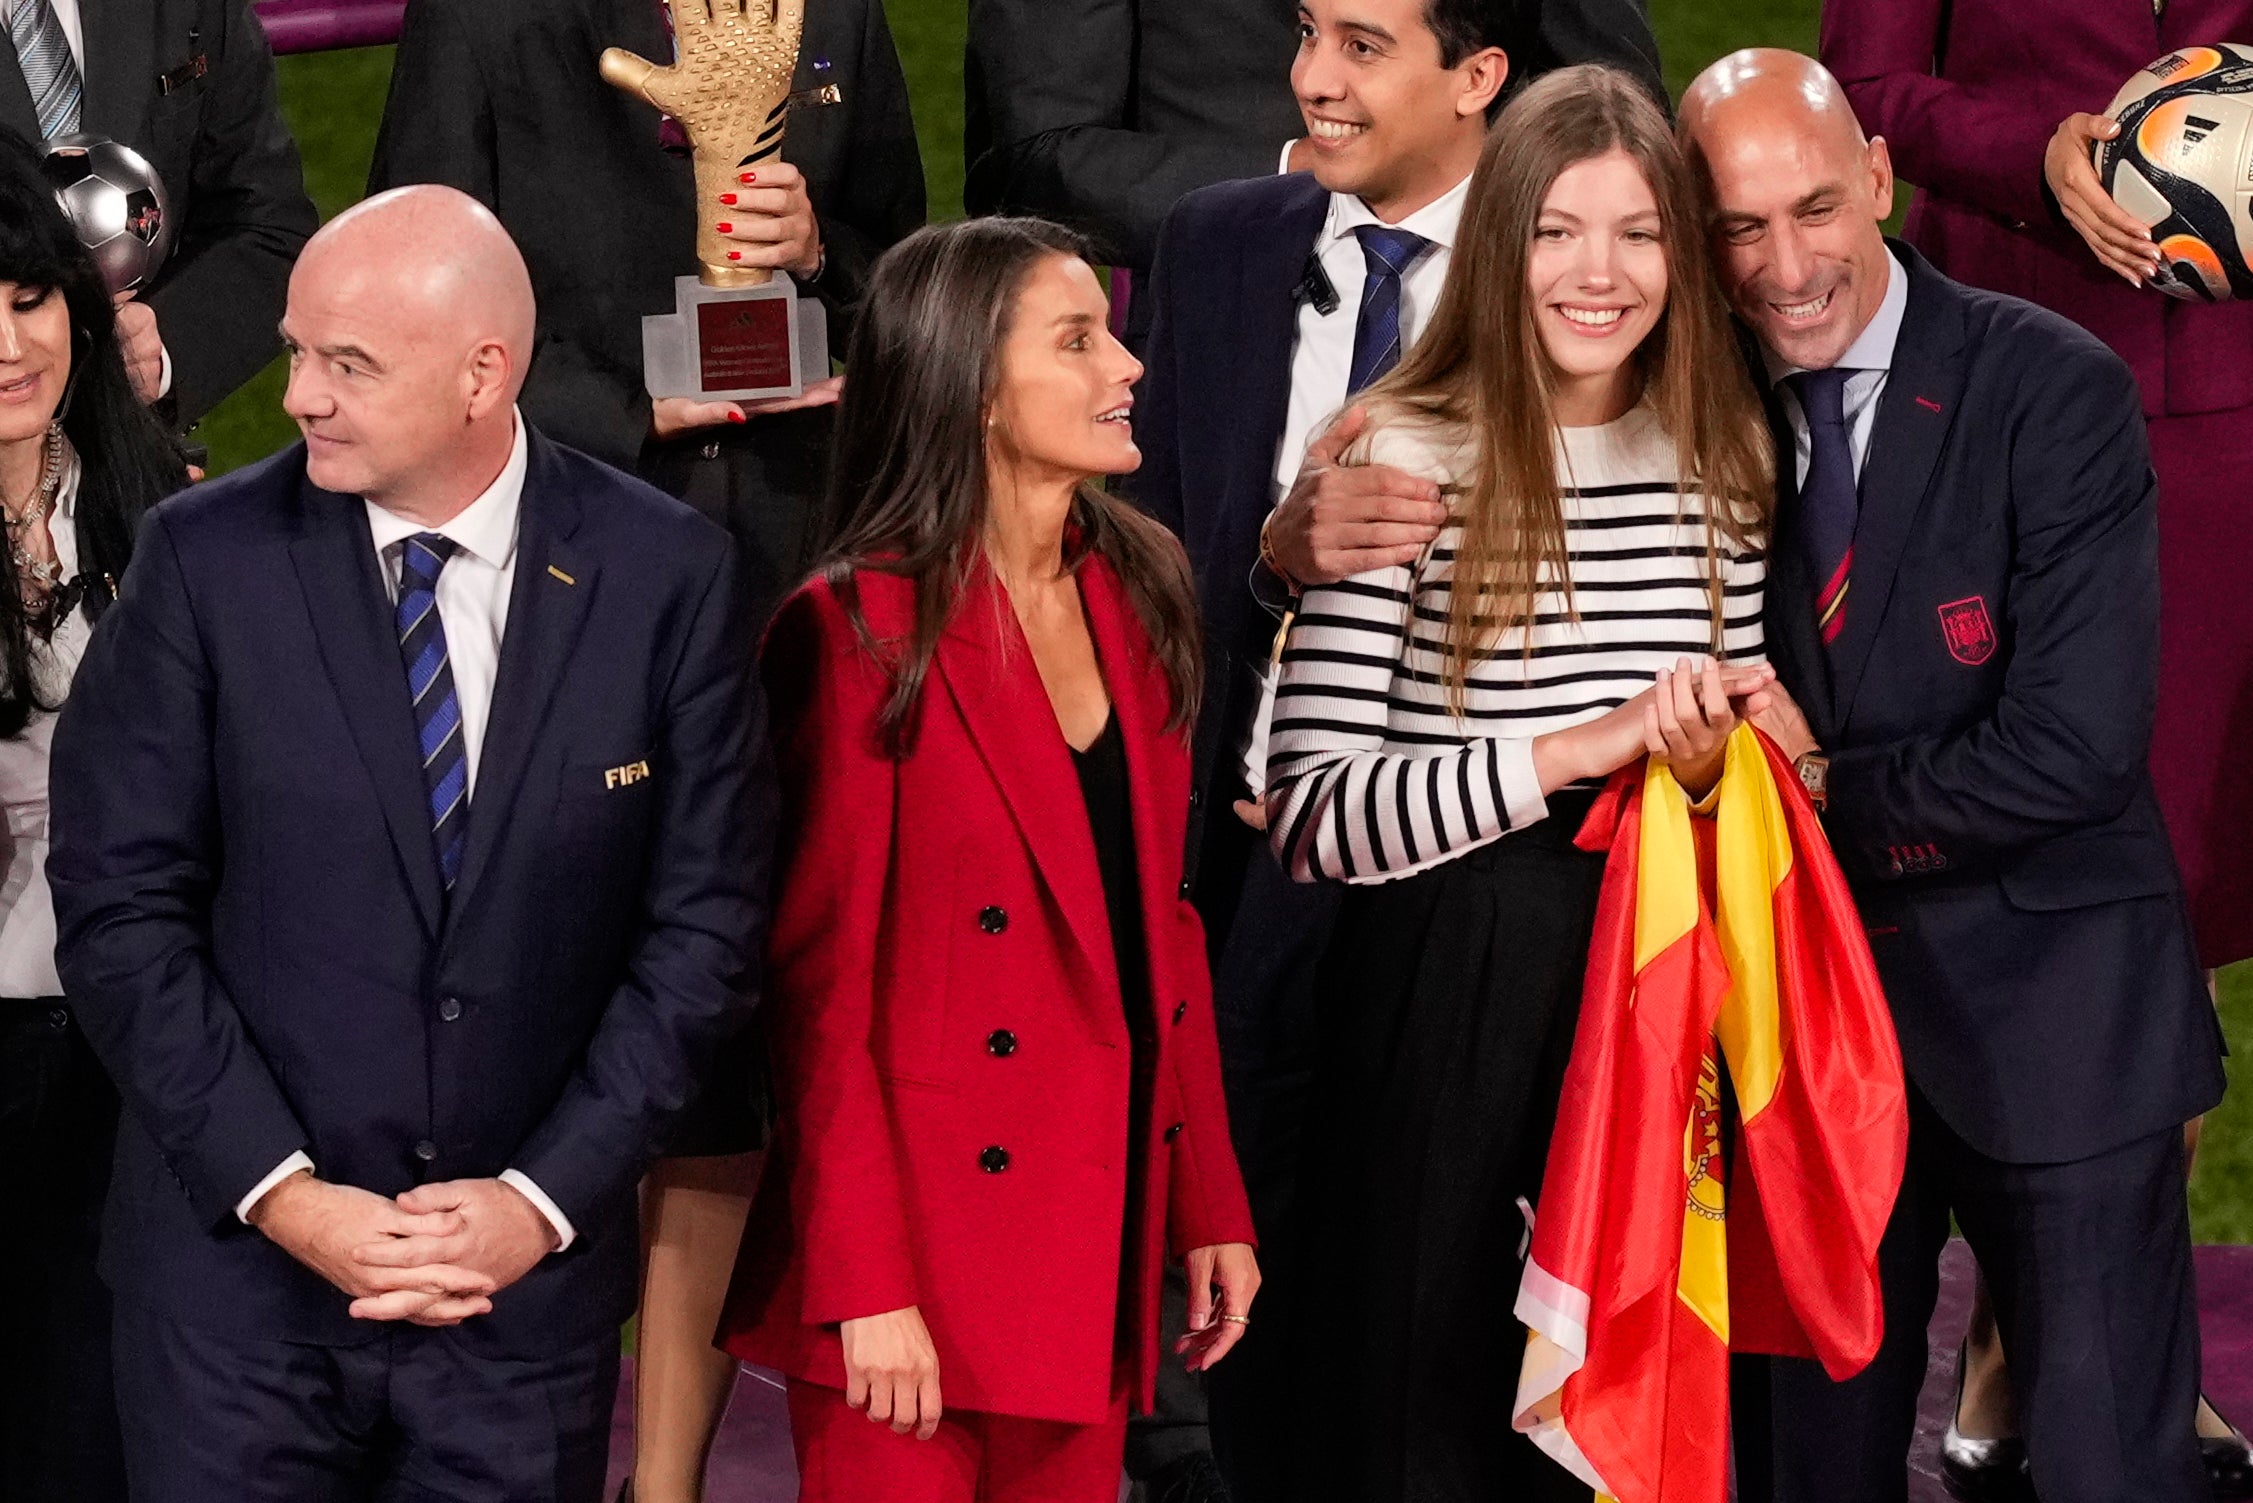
x: 1701, y: 1144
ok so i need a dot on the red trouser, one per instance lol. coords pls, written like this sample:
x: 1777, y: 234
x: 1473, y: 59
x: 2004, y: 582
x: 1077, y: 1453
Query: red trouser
x: 974, y: 1457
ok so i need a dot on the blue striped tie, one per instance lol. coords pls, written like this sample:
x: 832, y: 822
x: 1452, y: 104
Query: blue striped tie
x: 438, y: 709
x: 1376, y: 335
x: 49, y: 71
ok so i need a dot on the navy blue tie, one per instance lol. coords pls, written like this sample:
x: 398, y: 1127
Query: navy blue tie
x: 1376, y: 334
x: 1829, y: 499
x: 438, y: 709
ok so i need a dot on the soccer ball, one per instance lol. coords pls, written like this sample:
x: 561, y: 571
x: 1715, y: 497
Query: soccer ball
x: 115, y: 200
x: 2183, y: 163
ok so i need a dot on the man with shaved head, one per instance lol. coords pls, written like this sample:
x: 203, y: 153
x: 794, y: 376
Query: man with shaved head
x: 410, y: 833
x: 1963, y: 610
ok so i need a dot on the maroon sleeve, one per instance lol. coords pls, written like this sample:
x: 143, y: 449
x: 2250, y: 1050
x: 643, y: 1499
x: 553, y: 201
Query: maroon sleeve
x: 1981, y: 150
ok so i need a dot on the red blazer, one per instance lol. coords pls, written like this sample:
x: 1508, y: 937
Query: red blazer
x: 951, y: 1051
x: 1970, y: 131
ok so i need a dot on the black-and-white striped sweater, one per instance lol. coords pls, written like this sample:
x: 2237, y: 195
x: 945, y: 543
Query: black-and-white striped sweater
x: 1371, y: 776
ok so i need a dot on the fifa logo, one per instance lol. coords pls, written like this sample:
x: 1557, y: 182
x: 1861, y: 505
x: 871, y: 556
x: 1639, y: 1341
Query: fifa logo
x: 626, y: 776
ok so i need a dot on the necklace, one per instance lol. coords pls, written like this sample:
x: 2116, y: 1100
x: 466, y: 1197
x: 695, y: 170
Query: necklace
x: 37, y: 577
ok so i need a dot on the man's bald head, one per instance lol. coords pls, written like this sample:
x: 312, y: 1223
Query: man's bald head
x: 410, y: 328
x: 1775, y: 85
x: 1797, y: 194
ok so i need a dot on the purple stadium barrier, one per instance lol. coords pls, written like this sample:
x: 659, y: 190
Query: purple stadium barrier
x: 319, y: 25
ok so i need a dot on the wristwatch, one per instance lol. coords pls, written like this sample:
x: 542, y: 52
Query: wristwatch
x: 1814, y: 771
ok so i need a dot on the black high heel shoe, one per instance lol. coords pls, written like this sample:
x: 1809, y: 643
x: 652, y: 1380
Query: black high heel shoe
x: 1982, y: 1471
x: 2229, y: 1460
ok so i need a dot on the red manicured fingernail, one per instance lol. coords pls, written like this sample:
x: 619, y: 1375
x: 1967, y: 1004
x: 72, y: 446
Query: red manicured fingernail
x: 747, y: 177
x: 727, y: 198
x: 734, y: 416
x: 723, y: 227
x: 735, y: 255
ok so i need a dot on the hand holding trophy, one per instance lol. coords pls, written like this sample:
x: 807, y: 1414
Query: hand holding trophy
x: 737, y: 331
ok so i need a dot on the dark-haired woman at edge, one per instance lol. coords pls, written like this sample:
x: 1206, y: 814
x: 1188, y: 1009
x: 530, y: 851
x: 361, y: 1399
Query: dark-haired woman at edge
x: 80, y: 460
x: 1440, y: 729
x: 999, y: 1084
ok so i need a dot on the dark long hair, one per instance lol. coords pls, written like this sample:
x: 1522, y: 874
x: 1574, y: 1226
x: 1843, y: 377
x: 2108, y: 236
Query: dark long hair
x: 907, y: 491
x: 127, y: 462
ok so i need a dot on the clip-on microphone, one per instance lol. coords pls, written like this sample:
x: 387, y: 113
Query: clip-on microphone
x: 1314, y: 287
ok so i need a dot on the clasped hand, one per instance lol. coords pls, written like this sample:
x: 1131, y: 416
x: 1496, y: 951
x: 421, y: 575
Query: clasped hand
x: 1685, y: 717
x: 435, y: 1256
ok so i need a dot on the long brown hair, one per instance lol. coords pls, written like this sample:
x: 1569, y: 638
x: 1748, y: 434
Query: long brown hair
x: 1481, y: 368
x: 907, y: 491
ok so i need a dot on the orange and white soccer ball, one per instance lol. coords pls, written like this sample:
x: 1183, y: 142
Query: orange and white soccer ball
x: 2183, y: 163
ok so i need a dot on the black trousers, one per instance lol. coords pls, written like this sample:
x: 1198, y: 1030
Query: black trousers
x: 58, y: 1125
x: 1448, y: 1002
x: 412, y: 1415
x: 2089, y: 1264
x: 1263, y: 997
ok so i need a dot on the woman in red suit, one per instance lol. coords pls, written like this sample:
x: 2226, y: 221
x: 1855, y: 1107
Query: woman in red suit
x: 999, y: 1084
x: 1991, y: 106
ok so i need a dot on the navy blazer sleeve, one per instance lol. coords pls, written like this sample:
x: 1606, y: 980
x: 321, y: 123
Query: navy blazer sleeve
x: 1155, y: 485
x: 134, y: 860
x: 704, y: 920
x: 2065, y: 745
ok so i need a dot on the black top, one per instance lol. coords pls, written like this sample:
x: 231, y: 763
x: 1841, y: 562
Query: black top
x: 1110, y: 819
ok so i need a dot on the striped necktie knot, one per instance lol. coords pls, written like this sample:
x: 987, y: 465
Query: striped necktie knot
x: 1387, y: 253
x: 50, y: 72
x: 438, y: 708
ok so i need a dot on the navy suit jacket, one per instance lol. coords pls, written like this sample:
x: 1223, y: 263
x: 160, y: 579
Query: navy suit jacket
x: 252, y: 927
x: 1987, y: 711
x: 1216, y: 392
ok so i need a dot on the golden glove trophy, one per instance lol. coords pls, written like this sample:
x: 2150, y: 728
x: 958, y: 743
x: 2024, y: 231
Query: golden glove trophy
x: 735, y: 332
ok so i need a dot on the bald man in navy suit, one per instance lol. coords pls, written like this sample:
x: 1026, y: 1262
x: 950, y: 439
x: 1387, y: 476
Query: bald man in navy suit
x: 410, y: 839
x: 1963, y: 605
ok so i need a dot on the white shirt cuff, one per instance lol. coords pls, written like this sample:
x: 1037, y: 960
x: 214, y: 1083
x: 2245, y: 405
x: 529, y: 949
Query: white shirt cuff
x: 521, y: 1182
x: 1522, y: 803
x: 282, y: 1171
x: 1282, y: 163
x: 163, y: 372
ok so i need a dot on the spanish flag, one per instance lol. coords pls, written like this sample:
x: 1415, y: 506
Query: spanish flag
x: 1662, y: 1243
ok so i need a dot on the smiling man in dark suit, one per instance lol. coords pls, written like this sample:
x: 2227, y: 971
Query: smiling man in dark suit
x: 1274, y: 300
x: 410, y: 837
x: 1963, y: 605
x: 190, y: 85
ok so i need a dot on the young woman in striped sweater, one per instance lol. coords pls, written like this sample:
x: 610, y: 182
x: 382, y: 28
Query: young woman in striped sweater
x: 1439, y: 729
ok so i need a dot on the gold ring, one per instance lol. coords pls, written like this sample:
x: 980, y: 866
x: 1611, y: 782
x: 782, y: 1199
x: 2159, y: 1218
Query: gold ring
x: 1237, y: 1320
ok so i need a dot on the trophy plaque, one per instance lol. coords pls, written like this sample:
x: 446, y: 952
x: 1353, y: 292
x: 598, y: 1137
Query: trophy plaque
x: 735, y: 332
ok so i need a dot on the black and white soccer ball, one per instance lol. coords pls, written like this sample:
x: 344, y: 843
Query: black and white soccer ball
x: 2183, y: 164
x: 115, y: 200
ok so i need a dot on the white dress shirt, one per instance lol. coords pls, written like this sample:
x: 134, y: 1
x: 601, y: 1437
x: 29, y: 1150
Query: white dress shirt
x: 473, y: 597
x: 1322, y: 350
x: 1870, y: 357
x: 27, y: 907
